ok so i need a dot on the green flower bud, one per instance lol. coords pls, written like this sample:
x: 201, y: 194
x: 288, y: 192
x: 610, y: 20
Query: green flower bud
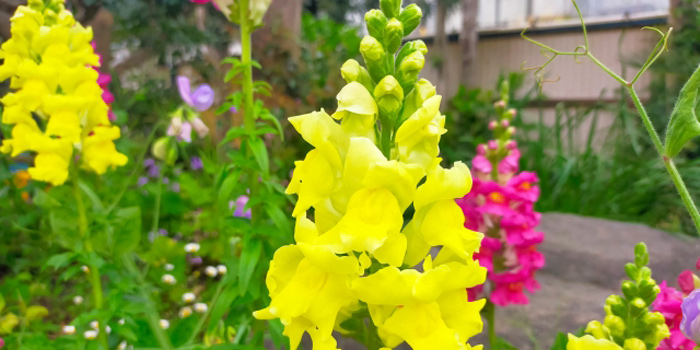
x: 391, y: 8
x: 645, y: 272
x: 656, y: 335
x: 409, y: 48
x: 160, y: 148
x: 376, y: 22
x: 389, y: 96
x: 632, y: 271
x: 654, y: 318
x: 393, y: 35
x: 353, y: 71
x: 634, y: 344
x: 597, y: 330
x: 505, y: 91
x: 629, y: 290
x: 616, y: 305
x: 641, y: 254
x: 409, y: 69
x: 410, y: 17
x: 422, y: 91
x: 375, y: 57
x: 615, y: 324
x: 638, y: 303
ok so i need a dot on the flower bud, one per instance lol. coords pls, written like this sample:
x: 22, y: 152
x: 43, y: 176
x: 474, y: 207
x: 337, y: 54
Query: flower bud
x: 165, y: 324
x: 353, y: 71
x: 632, y: 271
x: 597, y: 330
x: 410, y: 17
x: 391, y: 8
x: 505, y: 123
x: 634, y: 344
x: 654, y: 318
x: 376, y: 22
x: 615, y: 325
x: 199, y: 127
x: 393, y: 35
x: 422, y: 91
x: 492, y: 125
x: 90, y: 335
x: 222, y: 269
x: 499, y: 105
x: 616, y: 305
x: 629, y: 289
x: 389, y: 96
x: 200, y: 308
x: 375, y: 57
x: 511, y: 145
x: 510, y: 131
x: 638, y: 303
x: 409, y: 69
x: 481, y: 149
x: 160, y: 148
x: 493, y: 144
x: 188, y: 297
x: 641, y: 254
x: 512, y: 113
x: 168, y: 279
x: 211, y: 271
x: 409, y: 48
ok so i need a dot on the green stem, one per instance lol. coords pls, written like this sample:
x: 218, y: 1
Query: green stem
x: 387, y: 129
x: 248, y: 98
x: 490, y: 310
x: 668, y: 162
x: 151, y: 312
x: 95, y: 281
x: 204, y: 318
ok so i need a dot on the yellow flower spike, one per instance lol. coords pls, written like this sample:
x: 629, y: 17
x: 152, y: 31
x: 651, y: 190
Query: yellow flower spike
x: 587, y: 342
x: 399, y: 178
x: 418, y: 137
x: 49, y: 59
x: 442, y: 224
x: 357, y: 111
x: 423, y: 328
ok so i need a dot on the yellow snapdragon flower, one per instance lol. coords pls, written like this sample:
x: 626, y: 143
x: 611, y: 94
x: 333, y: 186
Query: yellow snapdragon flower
x: 57, y: 105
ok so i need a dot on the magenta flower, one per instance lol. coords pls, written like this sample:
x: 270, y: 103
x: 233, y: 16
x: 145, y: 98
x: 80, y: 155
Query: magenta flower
x: 669, y: 303
x: 524, y: 188
x: 201, y: 99
x: 690, y: 324
x: 103, y: 81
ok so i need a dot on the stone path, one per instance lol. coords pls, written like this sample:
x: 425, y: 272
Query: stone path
x: 585, y: 264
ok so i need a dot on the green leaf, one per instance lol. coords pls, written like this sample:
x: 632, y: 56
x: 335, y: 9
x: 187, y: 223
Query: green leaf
x: 127, y: 230
x: 684, y: 124
x: 266, y: 115
x: 249, y: 260
x: 279, y: 217
x: 44, y: 199
x: 2, y: 302
x: 222, y: 305
x: 560, y: 342
x: 96, y: 203
x: 227, y: 188
x: 60, y: 260
x: 260, y: 152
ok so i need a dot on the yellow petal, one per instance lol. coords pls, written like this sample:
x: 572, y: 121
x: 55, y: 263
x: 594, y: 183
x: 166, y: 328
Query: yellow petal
x: 443, y: 184
x: 587, y: 342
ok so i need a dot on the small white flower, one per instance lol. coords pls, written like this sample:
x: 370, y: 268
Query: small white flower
x: 69, y: 330
x: 168, y: 279
x: 191, y: 247
x: 122, y: 345
x: 121, y: 322
x: 188, y: 297
x: 185, y: 312
x: 90, y: 335
x: 85, y: 269
x: 165, y: 324
x: 211, y: 271
x: 108, y: 329
x: 201, y: 308
x: 77, y: 300
x: 222, y: 269
x: 95, y: 325
x: 169, y: 267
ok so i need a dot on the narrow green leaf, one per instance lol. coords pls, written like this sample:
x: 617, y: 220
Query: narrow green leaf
x: 226, y: 189
x: 94, y: 199
x: 127, y: 230
x: 260, y: 152
x: 249, y: 260
x: 684, y: 124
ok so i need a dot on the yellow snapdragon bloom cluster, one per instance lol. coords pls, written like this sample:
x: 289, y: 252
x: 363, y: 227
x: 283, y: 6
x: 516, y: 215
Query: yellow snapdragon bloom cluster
x: 374, y: 202
x: 57, y: 105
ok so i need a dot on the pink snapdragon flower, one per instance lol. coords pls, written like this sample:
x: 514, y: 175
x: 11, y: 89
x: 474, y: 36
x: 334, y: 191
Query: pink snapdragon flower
x: 103, y: 81
x: 501, y: 205
x: 669, y: 303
